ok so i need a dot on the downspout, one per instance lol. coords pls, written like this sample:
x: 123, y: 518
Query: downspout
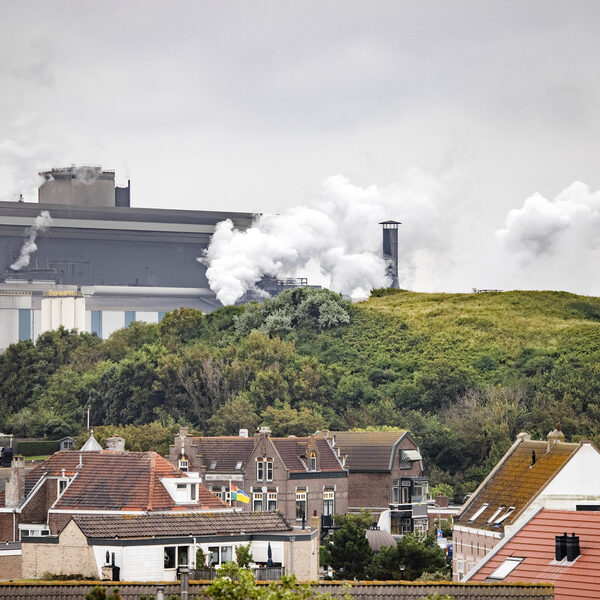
x: 292, y: 540
x: 14, y: 526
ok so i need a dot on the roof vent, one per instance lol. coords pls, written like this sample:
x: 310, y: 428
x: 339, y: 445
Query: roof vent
x: 560, y: 546
x: 572, y: 544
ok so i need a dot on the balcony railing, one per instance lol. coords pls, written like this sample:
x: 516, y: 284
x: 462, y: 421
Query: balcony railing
x: 327, y: 522
x: 260, y: 573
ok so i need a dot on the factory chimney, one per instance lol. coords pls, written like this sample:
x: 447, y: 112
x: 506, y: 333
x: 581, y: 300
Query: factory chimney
x: 390, y: 249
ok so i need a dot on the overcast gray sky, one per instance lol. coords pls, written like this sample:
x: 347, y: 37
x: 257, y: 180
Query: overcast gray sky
x: 252, y: 105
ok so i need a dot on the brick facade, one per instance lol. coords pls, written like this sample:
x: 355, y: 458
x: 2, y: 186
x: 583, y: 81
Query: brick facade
x: 10, y: 566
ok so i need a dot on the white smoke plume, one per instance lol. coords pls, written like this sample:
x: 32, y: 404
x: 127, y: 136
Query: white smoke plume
x: 556, y: 243
x: 40, y: 223
x: 339, y: 233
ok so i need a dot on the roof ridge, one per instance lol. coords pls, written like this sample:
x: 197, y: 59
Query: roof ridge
x: 152, y: 471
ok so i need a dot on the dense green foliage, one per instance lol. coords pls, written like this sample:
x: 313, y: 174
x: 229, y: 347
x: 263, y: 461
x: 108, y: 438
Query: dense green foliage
x: 463, y: 372
x: 38, y: 448
x: 349, y: 554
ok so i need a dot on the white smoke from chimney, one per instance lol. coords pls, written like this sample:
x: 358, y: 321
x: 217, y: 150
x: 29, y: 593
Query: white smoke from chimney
x: 40, y: 223
x: 339, y: 232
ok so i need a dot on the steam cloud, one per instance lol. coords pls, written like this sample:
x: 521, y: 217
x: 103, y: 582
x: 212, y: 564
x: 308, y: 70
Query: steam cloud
x: 339, y: 236
x: 41, y: 222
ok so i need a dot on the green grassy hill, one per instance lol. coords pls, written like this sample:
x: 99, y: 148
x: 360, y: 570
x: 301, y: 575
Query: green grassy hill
x: 464, y: 372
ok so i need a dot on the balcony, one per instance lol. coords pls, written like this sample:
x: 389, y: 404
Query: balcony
x: 327, y: 522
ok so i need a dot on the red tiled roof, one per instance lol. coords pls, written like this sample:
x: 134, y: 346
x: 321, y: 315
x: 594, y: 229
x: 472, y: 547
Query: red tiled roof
x: 515, y: 482
x: 535, y: 543
x: 109, y: 480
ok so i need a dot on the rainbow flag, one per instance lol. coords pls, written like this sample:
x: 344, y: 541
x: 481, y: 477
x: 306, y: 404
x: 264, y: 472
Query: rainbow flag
x: 237, y: 494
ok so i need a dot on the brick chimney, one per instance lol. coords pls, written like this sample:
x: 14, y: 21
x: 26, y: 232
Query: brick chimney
x: 15, y: 486
x: 115, y: 443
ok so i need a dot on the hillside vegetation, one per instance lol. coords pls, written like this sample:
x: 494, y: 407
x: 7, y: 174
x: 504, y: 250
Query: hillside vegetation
x: 463, y: 372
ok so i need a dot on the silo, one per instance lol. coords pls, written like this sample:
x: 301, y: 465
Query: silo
x: 56, y: 313
x: 390, y: 249
x: 68, y: 312
x: 46, y: 314
x: 80, y: 313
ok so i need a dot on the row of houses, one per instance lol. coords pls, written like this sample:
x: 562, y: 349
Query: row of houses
x: 112, y: 514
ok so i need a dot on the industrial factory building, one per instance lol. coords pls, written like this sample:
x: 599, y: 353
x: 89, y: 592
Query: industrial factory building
x: 99, y: 264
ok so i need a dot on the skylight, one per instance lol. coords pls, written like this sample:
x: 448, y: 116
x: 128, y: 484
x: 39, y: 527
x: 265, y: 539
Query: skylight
x: 478, y: 512
x: 238, y: 465
x: 506, y: 568
x: 213, y: 465
x: 495, y: 514
x: 504, y: 516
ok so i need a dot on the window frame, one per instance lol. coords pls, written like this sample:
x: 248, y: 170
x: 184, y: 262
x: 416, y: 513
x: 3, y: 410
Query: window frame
x: 301, y: 503
x: 260, y: 470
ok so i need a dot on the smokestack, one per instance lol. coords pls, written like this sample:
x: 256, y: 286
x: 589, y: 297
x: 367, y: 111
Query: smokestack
x: 390, y: 249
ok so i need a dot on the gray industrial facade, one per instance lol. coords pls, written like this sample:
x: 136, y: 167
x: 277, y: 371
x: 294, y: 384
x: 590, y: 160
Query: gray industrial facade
x: 126, y: 263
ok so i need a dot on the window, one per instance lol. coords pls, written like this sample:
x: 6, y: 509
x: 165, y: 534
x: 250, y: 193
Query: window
x: 328, y: 502
x: 406, y: 524
x: 183, y: 464
x: 403, y: 461
x: 270, y: 469
x: 170, y: 557
x: 421, y: 526
x: 313, y: 461
x: 217, y: 491
x: 300, y: 503
x: 193, y: 491
x: 260, y: 470
x: 182, y: 556
x: 507, y: 514
x: 213, y: 555
x: 176, y: 556
x: 257, y: 501
x: 495, y: 514
x: 405, y: 494
x: 62, y: 486
x: 68, y: 445
x: 396, y: 491
x: 419, y: 492
x: 226, y: 554
x: 271, y: 501
x: 181, y: 486
x: 506, y: 568
x: 478, y: 512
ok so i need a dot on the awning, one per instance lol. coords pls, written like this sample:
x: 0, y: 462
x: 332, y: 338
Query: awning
x: 411, y: 455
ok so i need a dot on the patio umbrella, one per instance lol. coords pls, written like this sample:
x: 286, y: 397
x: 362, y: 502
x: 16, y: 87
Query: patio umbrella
x: 269, y: 556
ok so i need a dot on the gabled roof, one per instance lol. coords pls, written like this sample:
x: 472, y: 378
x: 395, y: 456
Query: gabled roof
x: 368, y: 450
x: 109, y: 480
x: 514, y: 482
x: 225, y: 452
x: 535, y: 543
x: 181, y: 524
x: 294, y: 454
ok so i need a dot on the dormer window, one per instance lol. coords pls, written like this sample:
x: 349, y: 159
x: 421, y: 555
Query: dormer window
x: 313, y: 461
x: 62, y: 486
x: 183, y: 464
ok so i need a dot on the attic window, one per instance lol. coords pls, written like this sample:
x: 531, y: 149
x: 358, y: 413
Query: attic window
x: 313, y: 461
x: 495, y: 514
x: 183, y: 464
x: 478, y: 513
x: 507, y: 514
x: 238, y: 465
x: 506, y: 568
x: 213, y: 465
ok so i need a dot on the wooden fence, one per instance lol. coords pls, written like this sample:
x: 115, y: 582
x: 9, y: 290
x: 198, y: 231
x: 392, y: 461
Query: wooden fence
x: 376, y: 590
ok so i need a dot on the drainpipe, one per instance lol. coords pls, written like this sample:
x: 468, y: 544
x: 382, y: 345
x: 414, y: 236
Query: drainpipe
x: 14, y: 525
x: 293, y: 570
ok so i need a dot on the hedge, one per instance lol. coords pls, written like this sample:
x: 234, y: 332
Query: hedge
x: 40, y: 448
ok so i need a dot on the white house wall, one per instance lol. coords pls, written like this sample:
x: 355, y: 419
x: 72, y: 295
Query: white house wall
x: 147, y: 317
x: 146, y: 563
x: 111, y: 321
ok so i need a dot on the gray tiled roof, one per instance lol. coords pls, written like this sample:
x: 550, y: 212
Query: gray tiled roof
x: 164, y: 525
